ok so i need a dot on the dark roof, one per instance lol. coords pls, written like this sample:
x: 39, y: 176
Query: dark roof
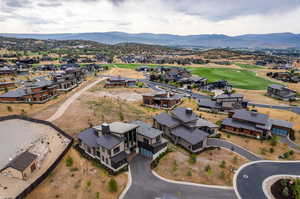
x: 146, y: 130
x: 108, y: 141
x: 224, y: 96
x: 88, y: 137
x: 183, y: 115
x: 192, y: 136
x: 22, y: 161
x: 281, y: 123
x: 237, y: 124
x: 276, y: 86
x: 166, y: 120
x: 208, y: 103
x: 14, y: 93
x: 251, y: 116
x: 119, y: 157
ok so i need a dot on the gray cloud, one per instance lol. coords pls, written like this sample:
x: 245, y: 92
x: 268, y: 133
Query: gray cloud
x: 218, y: 10
x: 17, y: 3
x: 52, y: 4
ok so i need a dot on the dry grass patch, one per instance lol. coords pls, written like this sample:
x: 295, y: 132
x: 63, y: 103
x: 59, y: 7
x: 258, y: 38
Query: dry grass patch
x: 213, y: 167
x: 78, y: 179
x: 124, y: 72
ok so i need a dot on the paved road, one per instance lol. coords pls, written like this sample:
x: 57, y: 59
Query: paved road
x: 62, y: 109
x: 249, y: 179
x: 294, y: 109
x: 146, y: 186
x: 233, y: 147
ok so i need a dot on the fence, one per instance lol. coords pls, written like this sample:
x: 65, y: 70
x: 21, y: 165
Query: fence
x: 58, y: 159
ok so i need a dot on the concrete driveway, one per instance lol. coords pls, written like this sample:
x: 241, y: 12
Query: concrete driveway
x: 249, y: 178
x: 147, y: 186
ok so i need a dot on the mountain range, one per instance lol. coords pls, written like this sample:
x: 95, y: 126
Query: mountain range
x: 272, y: 40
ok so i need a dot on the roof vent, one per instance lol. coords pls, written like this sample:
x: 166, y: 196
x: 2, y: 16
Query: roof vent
x: 105, y: 129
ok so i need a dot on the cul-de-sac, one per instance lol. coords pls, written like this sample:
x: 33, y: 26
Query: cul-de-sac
x: 91, y: 107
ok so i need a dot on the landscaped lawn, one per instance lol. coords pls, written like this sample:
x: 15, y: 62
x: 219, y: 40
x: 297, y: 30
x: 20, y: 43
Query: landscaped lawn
x: 243, y: 79
x: 248, y: 66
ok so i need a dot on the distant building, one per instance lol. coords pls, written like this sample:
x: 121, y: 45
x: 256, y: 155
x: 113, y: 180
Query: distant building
x: 7, y: 85
x: 68, y: 79
x: 119, y: 82
x: 254, y: 124
x: 223, y: 103
x: 281, y: 92
x: 21, y: 167
x: 33, y: 92
x: 164, y: 100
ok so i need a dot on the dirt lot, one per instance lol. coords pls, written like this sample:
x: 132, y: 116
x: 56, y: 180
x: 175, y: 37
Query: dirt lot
x: 176, y: 166
x: 123, y: 72
x: 81, y: 180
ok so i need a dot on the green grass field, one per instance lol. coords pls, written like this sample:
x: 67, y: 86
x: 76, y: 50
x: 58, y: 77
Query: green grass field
x: 243, y: 79
x: 247, y: 66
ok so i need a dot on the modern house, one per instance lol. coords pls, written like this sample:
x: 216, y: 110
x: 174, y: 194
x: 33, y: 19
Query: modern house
x: 21, y: 167
x: 119, y: 82
x: 218, y: 85
x: 7, y: 85
x: 68, y: 79
x: 223, y: 103
x: 8, y: 71
x: 165, y: 100
x: 34, y: 92
x: 254, y: 124
x: 281, y: 92
x: 185, y: 128
x: 111, y: 143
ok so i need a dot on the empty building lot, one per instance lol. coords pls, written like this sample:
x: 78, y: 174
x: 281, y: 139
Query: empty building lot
x: 18, y: 136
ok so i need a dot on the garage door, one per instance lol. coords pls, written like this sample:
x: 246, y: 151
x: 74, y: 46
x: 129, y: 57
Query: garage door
x: 146, y: 153
x: 281, y: 132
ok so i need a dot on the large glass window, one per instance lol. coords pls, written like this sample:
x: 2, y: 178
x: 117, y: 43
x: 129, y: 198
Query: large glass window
x: 116, y: 150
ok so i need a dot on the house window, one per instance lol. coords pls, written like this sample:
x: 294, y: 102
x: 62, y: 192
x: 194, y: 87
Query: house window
x: 98, y: 154
x: 103, y: 149
x: 106, y: 160
x: 158, y: 139
x: 145, y: 140
x: 103, y: 158
x: 116, y: 150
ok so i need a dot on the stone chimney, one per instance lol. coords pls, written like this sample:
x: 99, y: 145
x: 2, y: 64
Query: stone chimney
x: 105, y: 129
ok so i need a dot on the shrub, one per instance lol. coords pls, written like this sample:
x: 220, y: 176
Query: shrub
x: 9, y: 108
x: 89, y: 183
x: 74, y: 169
x: 234, y: 160
x: 112, y: 185
x: 97, y: 195
x: 223, y: 164
x: 193, y: 159
x: 285, y: 192
x: 222, y: 175
x: 271, y: 150
x: 69, y: 161
x: 189, y: 173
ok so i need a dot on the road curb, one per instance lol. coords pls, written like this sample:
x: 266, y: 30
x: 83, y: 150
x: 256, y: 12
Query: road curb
x: 190, y: 183
x: 128, y: 184
x: 250, y: 163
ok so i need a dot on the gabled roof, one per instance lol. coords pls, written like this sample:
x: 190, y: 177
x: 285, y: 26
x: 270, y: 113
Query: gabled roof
x: 224, y: 96
x: 146, y: 130
x: 237, y: 124
x: 276, y: 86
x: 251, y: 116
x: 208, y: 103
x: 88, y: 137
x: 108, y: 141
x: 22, y: 161
x: 14, y: 93
x: 205, y: 123
x: 192, y: 136
x: 183, y: 115
x: 281, y: 123
x: 166, y: 120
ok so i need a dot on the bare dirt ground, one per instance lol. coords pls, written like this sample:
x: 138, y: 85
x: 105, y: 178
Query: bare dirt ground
x: 82, y: 180
x: 123, y: 72
x: 258, y: 96
x: 176, y: 166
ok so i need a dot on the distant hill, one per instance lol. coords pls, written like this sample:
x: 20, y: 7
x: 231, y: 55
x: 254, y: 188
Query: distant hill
x: 273, y: 40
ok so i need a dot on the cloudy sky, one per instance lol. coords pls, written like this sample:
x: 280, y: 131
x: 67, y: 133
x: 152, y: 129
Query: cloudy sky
x: 184, y: 17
